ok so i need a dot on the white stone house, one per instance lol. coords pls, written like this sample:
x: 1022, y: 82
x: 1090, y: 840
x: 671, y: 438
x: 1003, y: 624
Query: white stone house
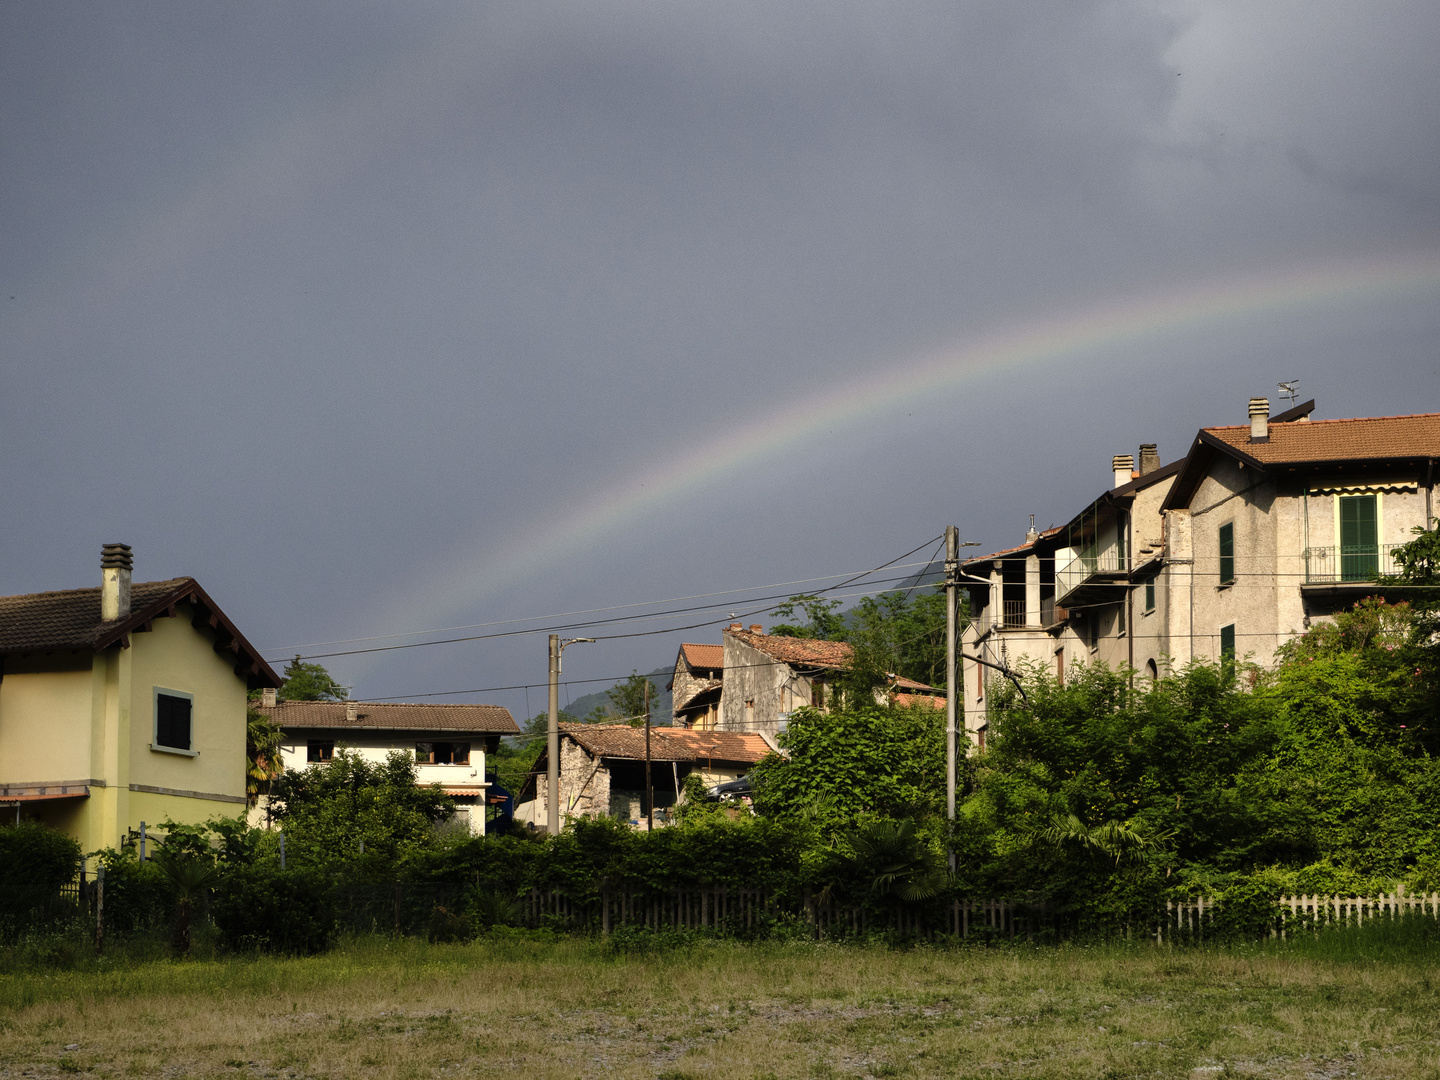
x: 1257, y: 532
x: 449, y: 742
x: 602, y: 770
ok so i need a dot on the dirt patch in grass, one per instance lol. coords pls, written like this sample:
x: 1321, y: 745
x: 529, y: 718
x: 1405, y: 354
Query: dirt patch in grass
x: 567, y: 1009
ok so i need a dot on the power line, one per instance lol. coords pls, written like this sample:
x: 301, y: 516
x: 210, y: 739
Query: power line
x: 584, y: 611
x: 619, y: 619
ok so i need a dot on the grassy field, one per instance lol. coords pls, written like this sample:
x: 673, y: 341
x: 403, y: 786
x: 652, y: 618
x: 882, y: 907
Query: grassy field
x: 571, y: 1008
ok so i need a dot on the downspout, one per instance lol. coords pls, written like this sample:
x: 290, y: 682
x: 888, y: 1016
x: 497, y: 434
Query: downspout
x: 1429, y: 484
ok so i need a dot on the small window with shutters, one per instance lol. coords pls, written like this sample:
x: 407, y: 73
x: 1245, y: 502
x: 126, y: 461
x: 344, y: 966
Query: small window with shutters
x: 1227, y: 554
x: 1227, y: 644
x: 173, y: 720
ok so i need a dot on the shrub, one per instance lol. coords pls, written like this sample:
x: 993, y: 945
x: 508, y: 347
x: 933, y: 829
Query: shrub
x: 35, y: 861
x: 271, y: 910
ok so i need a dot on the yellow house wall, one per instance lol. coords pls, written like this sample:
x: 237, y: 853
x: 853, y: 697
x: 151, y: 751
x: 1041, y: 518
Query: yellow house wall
x: 45, y: 719
x: 176, y: 656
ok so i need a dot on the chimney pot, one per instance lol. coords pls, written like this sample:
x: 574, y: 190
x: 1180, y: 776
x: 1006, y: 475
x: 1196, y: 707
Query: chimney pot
x: 735, y: 628
x: 267, y: 697
x: 756, y: 628
x: 1149, y: 458
x: 115, y: 566
x: 352, y: 713
x: 1259, y: 419
x: 1124, y: 465
x: 1030, y: 534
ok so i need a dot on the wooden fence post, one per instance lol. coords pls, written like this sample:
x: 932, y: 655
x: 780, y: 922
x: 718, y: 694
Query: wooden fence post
x: 99, y: 909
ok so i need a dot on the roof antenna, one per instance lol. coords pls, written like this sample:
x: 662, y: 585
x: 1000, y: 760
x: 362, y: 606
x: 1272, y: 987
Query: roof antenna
x: 1290, y: 389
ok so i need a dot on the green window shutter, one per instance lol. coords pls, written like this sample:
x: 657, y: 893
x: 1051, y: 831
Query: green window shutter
x: 1359, y: 538
x: 1227, y: 643
x: 1150, y: 595
x: 1227, y: 553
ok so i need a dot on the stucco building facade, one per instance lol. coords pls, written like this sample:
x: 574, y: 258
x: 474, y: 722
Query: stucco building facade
x: 1258, y: 531
x: 122, y: 704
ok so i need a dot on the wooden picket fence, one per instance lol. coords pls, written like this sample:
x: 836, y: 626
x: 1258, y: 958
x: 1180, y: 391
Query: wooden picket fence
x: 1193, y: 918
x: 739, y: 910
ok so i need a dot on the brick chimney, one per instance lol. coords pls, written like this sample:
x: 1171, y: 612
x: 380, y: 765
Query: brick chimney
x: 735, y: 628
x: 1149, y: 458
x: 1259, y: 419
x: 756, y: 628
x: 1124, y: 465
x: 115, y: 564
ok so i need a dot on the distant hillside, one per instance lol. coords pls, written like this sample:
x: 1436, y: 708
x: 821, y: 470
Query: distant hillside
x: 659, y: 699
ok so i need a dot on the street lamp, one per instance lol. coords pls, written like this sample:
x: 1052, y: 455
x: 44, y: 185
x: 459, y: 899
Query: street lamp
x: 552, y: 742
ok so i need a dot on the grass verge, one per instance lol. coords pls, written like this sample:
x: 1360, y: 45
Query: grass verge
x: 1354, y: 1004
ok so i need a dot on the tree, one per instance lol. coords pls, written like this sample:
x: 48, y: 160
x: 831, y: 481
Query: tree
x: 262, y: 754
x: 821, y: 621
x: 328, y: 810
x: 847, y: 762
x: 629, y: 700
x: 310, y: 682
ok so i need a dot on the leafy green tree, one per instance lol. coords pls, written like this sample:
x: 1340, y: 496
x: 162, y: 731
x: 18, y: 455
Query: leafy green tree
x: 822, y: 622
x: 310, y: 682
x: 851, y: 761
x: 631, y: 699
x: 329, y: 809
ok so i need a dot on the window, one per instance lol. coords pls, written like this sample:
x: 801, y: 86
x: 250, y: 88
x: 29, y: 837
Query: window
x: 1121, y: 614
x: 817, y: 695
x: 1227, y: 643
x: 1359, y: 538
x: 442, y: 753
x: 1227, y: 553
x: 1152, y: 671
x: 319, y: 751
x: 1150, y: 596
x: 172, y: 719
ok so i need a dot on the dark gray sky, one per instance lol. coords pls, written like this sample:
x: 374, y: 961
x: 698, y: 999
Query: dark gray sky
x: 384, y: 318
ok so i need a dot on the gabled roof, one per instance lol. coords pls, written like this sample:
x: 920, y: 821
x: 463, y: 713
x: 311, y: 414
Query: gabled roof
x: 667, y: 744
x: 1312, y: 444
x: 40, y: 622
x: 391, y: 716
x: 1011, y: 551
x: 703, y: 656
x: 834, y: 654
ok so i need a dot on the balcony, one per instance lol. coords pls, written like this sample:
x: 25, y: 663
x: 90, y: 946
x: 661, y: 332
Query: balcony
x: 1346, y: 566
x: 1014, y: 613
x: 1085, y: 576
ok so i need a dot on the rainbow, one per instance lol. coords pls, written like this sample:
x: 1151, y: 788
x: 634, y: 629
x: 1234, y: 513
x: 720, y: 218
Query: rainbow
x: 465, y: 579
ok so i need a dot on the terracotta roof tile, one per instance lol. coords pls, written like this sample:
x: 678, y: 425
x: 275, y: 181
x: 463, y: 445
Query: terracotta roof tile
x: 68, y: 619
x: 835, y: 654
x: 1366, y: 438
x: 391, y: 716
x: 667, y: 744
x: 1011, y: 551
x: 704, y: 656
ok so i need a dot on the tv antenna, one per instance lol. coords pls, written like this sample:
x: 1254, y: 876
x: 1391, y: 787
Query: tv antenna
x: 1290, y: 389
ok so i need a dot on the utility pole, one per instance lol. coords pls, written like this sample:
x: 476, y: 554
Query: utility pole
x: 649, y: 787
x: 552, y: 740
x: 952, y: 594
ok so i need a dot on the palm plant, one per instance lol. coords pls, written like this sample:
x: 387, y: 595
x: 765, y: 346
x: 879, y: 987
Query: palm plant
x: 1119, y: 840
x: 189, y: 877
x: 262, y: 754
x: 888, y: 854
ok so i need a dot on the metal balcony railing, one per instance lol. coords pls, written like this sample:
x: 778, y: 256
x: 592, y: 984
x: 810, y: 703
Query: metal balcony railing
x: 1014, y: 613
x: 1087, y: 565
x: 1330, y: 565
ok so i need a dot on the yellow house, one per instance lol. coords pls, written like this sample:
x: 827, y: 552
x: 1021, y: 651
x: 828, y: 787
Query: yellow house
x: 122, y: 704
